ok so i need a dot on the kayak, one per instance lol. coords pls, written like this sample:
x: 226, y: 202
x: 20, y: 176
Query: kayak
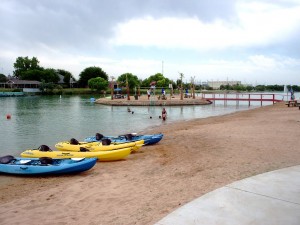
x: 97, y: 146
x: 44, y: 166
x: 149, y: 139
x: 113, y: 155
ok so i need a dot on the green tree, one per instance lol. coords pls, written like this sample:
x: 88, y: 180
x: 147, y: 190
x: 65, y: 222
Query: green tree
x: 32, y: 75
x: 145, y: 83
x: 48, y: 75
x: 90, y: 72
x: 133, y: 80
x: 295, y: 88
x: 226, y: 87
x: 260, y: 88
x: 3, y: 78
x: 46, y: 87
x: 198, y: 87
x: 160, y: 80
x: 98, y: 84
x: 239, y: 87
x: 24, y: 64
x: 249, y: 88
x: 178, y: 83
x: 66, y: 74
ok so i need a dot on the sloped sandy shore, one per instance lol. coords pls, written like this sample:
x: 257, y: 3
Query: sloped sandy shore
x: 194, y: 158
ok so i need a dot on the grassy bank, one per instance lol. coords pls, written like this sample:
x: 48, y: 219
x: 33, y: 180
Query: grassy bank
x: 67, y: 91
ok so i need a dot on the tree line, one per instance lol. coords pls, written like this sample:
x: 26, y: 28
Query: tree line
x: 95, y: 78
x: 259, y: 88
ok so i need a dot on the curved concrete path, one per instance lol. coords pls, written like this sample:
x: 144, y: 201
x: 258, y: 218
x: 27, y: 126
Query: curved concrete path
x: 269, y: 198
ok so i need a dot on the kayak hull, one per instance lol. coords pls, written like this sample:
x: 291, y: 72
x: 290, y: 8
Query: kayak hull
x: 149, y: 139
x: 33, y: 166
x: 98, y: 146
x: 114, y: 155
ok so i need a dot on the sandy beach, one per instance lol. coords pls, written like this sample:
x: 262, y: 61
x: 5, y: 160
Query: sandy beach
x: 194, y: 157
x: 154, y: 100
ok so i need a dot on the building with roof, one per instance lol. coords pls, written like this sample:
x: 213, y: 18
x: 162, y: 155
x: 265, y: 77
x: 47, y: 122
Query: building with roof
x: 20, y: 84
x: 217, y: 84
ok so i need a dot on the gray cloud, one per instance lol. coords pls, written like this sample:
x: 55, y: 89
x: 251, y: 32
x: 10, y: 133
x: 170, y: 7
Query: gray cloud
x: 54, y: 29
x: 75, y: 24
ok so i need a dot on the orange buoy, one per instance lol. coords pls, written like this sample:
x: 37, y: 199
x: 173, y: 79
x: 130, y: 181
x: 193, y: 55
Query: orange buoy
x: 8, y: 116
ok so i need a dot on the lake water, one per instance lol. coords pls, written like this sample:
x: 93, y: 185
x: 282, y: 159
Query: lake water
x: 37, y: 120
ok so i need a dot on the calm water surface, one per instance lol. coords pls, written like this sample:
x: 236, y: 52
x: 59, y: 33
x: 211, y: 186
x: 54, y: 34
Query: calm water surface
x: 37, y: 120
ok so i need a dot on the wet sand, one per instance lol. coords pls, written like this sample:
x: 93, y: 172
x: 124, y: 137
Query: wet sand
x: 194, y: 158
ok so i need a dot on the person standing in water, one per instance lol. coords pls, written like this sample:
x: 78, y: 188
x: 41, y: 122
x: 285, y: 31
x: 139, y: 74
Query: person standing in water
x: 164, y: 114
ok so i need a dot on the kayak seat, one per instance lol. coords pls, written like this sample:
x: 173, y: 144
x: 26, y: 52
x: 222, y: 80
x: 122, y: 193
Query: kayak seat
x: 99, y: 136
x: 44, y: 148
x: 128, y: 136
x: 46, y: 160
x: 83, y: 149
x: 73, y: 141
x: 6, y: 159
x: 106, y: 142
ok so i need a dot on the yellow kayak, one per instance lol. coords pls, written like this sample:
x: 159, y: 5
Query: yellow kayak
x: 101, y: 155
x: 97, y: 146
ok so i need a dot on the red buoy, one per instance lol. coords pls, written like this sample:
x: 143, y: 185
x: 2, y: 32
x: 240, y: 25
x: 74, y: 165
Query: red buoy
x: 8, y: 116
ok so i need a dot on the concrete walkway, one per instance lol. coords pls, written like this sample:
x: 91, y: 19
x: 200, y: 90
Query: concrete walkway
x: 269, y: 198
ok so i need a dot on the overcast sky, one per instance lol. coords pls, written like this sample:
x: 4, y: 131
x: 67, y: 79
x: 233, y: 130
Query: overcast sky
x: 252, y: 41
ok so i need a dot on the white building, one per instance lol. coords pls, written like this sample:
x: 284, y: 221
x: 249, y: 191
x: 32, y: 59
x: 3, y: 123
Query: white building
x: 217, y: 84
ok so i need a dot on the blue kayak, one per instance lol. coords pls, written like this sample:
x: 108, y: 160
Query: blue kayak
x: 44, y: 166
x: 149, y: 139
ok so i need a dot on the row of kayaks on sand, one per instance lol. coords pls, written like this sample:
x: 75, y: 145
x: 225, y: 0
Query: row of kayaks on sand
x: 74, y: 156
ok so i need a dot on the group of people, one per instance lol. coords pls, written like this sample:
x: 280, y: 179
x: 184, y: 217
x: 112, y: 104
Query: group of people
x: 150, y: 92
x: 163, y: 93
